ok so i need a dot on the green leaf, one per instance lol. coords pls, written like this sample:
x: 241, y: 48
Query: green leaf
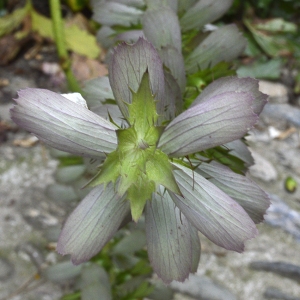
x: 78, y: 40
x: 9, y: 22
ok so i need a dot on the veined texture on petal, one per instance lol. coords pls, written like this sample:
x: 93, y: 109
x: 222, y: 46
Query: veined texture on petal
x: 126, y: 69
x: 166, y: 20
x: 169, y: 239
x: 203, y: 12
x: 63, y: 124
x: 235, y: 84
x: 212, y: 212
x: 240, y: 188
x: 218, y: 120
x: 92, y: 224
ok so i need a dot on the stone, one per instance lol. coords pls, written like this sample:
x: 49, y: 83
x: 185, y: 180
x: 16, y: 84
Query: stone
x: 280, y: 268
x: 6, y: 269
x: 278, y: 93
x: 274, y: 293
x: 262, y: 168
x: 202, y: 287
x: 281, y: 112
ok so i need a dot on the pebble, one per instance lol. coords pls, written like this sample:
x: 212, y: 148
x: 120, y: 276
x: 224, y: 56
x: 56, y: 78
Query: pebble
x: 281, y: 268
x: 278, y: 93
x: 280, y: 112
x: 202, y: 287
x: 262, y: 168
x: 274, y: 293
x: 6, y: 269
x: 279, y: 214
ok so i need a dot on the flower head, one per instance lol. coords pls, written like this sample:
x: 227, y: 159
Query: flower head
x: 147, y: 165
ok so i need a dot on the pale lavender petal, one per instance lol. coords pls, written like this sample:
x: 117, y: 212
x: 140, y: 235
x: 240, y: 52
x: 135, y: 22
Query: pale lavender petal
x: 203, y: 12
x: 108, y: 111
x: 196, y: 248
x: 240, y: 188
x: 169, y: 241
x: 212, y: 212
x: 92, y: 224
x: 173, y: 60
x: 239, y: 149
x: 235, y: 84
x: 223, y: 44
x: 127, y: 67
x: 63, y: 124
x: 221, y: 119
x: 169, y: 32
x: 113, y: 13
x: 97, y: 91
x: 163, y: 3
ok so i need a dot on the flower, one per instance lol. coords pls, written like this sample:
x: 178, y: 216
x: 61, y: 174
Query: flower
x: 147, y: 169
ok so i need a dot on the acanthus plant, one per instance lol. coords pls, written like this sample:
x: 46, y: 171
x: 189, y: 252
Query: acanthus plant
x: 154, y: 163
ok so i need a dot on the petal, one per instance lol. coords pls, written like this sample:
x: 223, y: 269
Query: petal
x: 240, y: 188
x: 162, y: 3
x: 220, y: 119
x: 169, y: 241
x: 223, y: 44
x: 127, y: 67
x: 166, y: 19
x: 196, y: 248
x: 173, y: 60
x: 203, y: 12
x: 92, y: 224
x: 97, y: 91
x: 235, y: 84
x: 63, y: 124
x: 239, y: 149
x: 212, y: 212
x: 113, y: 13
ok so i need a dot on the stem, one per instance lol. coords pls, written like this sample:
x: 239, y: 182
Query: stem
x: 59, y: 36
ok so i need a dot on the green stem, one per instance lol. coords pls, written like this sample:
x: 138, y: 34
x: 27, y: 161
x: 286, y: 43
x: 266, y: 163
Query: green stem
x: 59, y: 35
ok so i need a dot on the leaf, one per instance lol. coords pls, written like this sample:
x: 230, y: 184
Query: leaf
x: 77, y: 40
x: 276, y: 25
x: 9, y: 22
x: 92, y: 224
x: 212, y: 212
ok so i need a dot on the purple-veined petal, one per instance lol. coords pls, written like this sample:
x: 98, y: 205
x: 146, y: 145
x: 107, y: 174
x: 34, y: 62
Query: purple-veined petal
x: 108, y: 111
x: 235, y: 84
x: 212, y: 212
x: 97, y: 90
x: 172, y: 105
x: 169, y: 240
x: 239, y: 149
x: 240, y: 188
x: 127, y: 67
x: 196, y: 248
x: 203, y: 12
x: 162, y: 3
x: 130, y: 36
x: 220, y: 119
x: 223, y: 44
x: 173, y: 60
x: 63, y: 124
x: 113, y: 13
x: 166, y: 20
x: 92, y: 224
